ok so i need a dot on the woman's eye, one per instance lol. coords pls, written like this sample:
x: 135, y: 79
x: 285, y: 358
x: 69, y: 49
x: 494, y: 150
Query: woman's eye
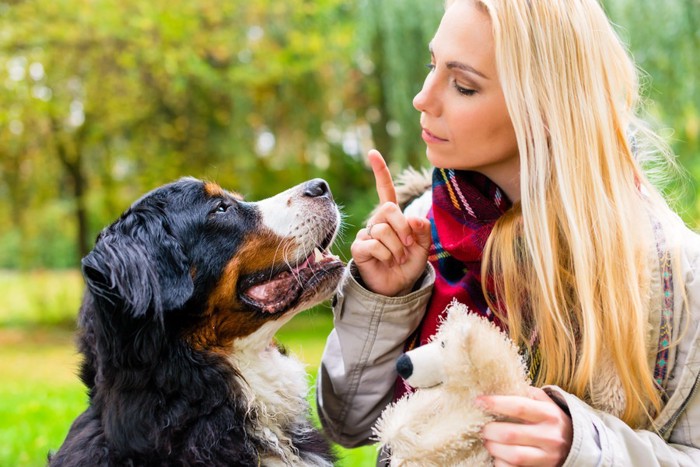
x: 464, y: 91
x: 430, y: 66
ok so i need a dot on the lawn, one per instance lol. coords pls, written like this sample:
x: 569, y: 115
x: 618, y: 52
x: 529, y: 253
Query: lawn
x: 40, y: 393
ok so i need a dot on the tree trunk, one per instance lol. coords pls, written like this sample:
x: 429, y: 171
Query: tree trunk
x: 71, y: 160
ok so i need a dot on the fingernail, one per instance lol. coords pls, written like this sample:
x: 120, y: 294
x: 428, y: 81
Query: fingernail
x: 480, y: 403
x: 409, y: 240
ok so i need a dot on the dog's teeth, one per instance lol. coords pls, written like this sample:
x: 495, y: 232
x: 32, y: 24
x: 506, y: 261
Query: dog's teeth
x: 318, y: 256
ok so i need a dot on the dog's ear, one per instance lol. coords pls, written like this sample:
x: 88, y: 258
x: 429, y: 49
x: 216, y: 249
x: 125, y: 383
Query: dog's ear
x: 138, y: 264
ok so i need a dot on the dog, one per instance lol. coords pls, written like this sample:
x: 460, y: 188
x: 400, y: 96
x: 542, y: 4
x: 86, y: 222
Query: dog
x: 185, y: 292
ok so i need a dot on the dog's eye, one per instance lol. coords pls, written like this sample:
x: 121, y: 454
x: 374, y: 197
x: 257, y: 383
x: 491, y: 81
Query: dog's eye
x: 222, y: 207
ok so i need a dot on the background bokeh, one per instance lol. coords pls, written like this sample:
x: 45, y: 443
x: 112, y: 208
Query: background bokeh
x: 103, y: 100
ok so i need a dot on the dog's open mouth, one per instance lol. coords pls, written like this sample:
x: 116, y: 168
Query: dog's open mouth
x: 281, y: 289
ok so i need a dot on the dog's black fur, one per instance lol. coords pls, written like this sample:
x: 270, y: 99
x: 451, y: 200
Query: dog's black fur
x: 166, y: 310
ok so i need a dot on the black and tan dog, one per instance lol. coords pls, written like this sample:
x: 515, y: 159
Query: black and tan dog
x: 185, y: 292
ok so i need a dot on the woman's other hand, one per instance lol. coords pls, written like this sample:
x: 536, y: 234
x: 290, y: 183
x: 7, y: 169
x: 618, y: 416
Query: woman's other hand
x: 392, y: 251
x: 538, y: 432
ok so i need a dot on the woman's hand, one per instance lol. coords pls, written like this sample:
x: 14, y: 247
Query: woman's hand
x: 539, y: 431
x: 391, y: 252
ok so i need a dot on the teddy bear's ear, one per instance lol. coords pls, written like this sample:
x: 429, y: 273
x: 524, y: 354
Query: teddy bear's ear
x: 462, y: 332
x: 465, y: 328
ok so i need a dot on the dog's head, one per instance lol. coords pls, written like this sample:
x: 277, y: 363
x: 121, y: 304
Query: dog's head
x: 208, y: 267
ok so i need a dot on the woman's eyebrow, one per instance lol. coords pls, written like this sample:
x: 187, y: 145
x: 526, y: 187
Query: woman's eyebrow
x: 458, y: 65
x: 464, y: 67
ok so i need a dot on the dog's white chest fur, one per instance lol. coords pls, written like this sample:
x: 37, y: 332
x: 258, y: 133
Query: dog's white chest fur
x: 276, y: 389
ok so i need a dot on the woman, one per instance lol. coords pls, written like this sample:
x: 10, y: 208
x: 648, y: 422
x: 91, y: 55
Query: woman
x: 541, y: 218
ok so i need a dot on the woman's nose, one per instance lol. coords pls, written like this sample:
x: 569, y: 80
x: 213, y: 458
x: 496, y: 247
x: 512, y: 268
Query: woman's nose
x: 426, y: 100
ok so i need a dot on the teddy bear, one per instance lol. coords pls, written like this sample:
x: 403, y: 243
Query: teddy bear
x: 439, y: 423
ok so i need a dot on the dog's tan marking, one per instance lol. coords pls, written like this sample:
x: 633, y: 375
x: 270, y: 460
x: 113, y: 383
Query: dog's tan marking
x: 213, y: 190
x: 226, y: 318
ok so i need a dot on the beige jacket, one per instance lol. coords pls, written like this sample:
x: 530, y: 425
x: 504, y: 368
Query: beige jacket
x: 357, y: 375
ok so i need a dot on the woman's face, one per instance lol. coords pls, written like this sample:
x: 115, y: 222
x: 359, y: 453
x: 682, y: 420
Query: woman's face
x: 463, y: 112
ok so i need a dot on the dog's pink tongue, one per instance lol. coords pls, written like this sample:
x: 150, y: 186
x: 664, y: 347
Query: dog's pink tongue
x: 272, y: 292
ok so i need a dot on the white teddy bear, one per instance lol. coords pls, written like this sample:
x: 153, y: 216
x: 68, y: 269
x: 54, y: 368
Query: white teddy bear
x: 439, y: 424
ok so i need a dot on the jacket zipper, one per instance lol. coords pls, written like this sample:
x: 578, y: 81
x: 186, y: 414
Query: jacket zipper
x: 678, y: 413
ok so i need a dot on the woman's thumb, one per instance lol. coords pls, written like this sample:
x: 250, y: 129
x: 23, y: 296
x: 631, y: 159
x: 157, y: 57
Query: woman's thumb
x: 421, y: 231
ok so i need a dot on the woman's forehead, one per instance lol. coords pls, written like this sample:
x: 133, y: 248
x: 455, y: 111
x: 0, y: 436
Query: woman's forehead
x: 465, y: 37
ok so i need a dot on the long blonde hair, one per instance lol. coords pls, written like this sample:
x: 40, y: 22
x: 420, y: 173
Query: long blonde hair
x: 571, y: 263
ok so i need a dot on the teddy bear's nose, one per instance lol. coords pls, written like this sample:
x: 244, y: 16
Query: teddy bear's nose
x: 404, y: 366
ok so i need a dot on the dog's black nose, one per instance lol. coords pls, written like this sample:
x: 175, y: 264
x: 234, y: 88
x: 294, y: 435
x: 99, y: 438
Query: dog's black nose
x: 317, y: 188
x: 404, y: 366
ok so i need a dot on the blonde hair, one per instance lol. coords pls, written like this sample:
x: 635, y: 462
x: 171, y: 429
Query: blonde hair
x: 571, y: 262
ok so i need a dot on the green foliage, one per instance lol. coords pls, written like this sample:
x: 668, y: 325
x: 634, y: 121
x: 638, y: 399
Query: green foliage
x: 105, y: 100
x: 394, y: 37
x: 665, y: 42
x: 101, y: 101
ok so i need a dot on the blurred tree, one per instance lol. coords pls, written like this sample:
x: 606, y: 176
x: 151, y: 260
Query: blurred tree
x: 394, y: 35
x: 665, y: 41
x: 101, y: 100
x: 116, y: 97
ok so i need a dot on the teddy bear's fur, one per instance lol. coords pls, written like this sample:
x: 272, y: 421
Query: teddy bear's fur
x: 439, y: 424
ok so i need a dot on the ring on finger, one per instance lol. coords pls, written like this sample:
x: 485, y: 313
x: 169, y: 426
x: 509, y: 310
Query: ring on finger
x: 369, y: 229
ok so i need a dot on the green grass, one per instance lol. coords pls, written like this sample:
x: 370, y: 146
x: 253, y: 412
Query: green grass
x: 40, y: 394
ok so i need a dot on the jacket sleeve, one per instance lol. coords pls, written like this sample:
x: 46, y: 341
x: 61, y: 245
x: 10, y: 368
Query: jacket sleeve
x: 357, y: 374
x: 601, y: 439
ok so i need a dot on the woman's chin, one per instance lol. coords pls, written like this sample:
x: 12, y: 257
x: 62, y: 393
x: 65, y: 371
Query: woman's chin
x: 439, y: 160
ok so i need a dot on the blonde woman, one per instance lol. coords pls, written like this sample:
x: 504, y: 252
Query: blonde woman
x: 541, y: 218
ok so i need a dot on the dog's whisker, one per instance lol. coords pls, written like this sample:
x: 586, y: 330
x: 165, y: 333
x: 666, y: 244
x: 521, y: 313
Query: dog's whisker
x: 281, y: 247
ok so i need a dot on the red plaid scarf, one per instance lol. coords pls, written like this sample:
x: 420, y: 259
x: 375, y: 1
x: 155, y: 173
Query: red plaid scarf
x: 465, y: 208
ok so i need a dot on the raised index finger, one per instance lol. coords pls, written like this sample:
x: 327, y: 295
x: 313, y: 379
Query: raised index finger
x: 382, y: 177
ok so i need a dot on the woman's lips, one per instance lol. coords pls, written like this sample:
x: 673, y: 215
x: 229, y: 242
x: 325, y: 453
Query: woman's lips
x: 430, y: 138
